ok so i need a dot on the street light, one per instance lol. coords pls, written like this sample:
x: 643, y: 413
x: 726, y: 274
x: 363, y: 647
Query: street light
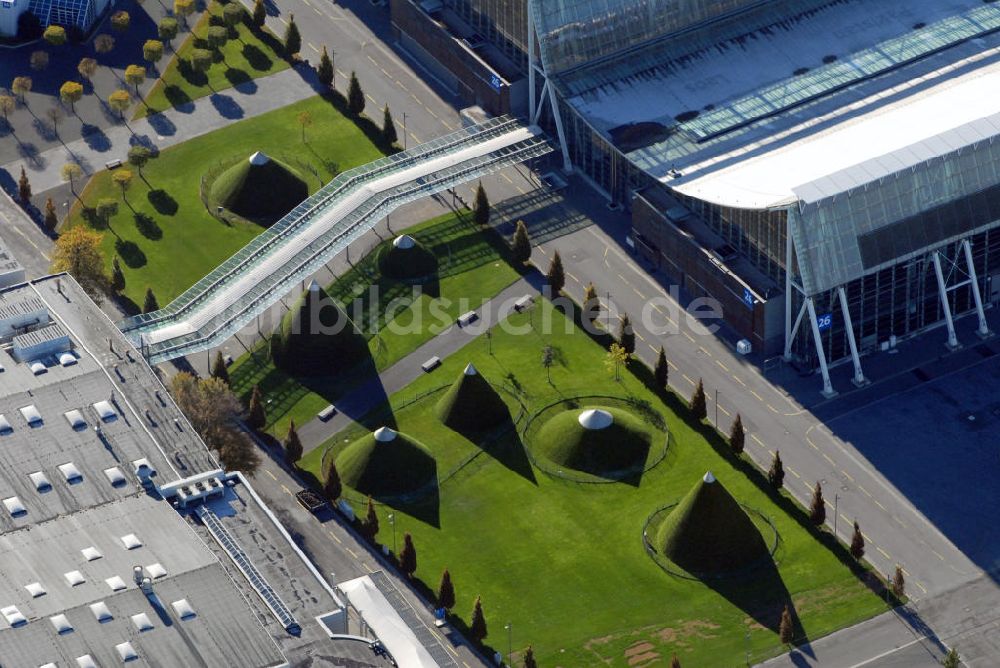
x: 404, y: 130
x: 392, y: 521
x: 509, y: 626
x: 333, y: 64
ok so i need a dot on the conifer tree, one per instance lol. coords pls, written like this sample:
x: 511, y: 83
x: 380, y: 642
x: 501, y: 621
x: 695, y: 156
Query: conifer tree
x: 591, y: 303
x: 219, y: 369
x: 699, y: 409
x: 529, y: 658
x: 776, y: 474
x: 556, y: 276
x: 626, y: 334
x: 520, y: 245
x: 370, y: 524
x: 332, y: 487
x: 117, y: 276
x: 150, y: 304
x: 389, y: 135
x: 259, y: 16
x: 817, y: 509
x: 256, y: 416
x: 785, y: 629
x: 324, y: 71
x: 661, y: 372
x: 355, y: 96
x: 675, y: 662
x: 857, y: 542
x: 477, y: 626
x: 737, y: 436
x: 898, y: 582
x: 481, y: 207
x: 293, y: 39
x: 293, y: 446
x: 446, y: 591
x: 408, y: 556
x: 51, y: 217
x: 24, y: 188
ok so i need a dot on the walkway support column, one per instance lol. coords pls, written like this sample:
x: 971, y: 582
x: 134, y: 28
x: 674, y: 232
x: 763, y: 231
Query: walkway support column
x: 859, y: 377
x: 531, y: 67
x: 828, y: 390
x: 983, y: 330
x: 943, y: 292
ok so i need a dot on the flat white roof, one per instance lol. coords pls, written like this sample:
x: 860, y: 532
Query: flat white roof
x: 776, y: 166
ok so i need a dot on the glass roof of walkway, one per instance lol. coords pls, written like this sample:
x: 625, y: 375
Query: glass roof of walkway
x: 254, y: 278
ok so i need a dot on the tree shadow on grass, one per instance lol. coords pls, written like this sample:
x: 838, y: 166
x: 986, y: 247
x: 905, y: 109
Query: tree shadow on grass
x: 162, y: 201
x: 191, y: 75
x: 239, y: 78
x: 178, y: 97
x: 130, y: 253
x: 372, y: 131
x: 256, y: 57
x: 147, y: 226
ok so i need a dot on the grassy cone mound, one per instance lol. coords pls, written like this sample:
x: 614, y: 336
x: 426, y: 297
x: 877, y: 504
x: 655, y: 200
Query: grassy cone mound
x: 471, y: 404
x: 260, y: 187
x: 316, y: 337
x: 598, y: 440
x: 386, y: 463
x: 406, y: 258
x: 709, y: 532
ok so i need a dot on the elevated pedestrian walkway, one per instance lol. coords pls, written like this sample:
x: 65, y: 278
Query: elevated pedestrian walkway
x: 253, y: 279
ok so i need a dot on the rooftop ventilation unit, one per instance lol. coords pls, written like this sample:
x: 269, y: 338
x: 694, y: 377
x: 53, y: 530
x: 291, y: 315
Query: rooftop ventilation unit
x: 13, y: 616
x: 74, y: 578
x: 141, y: 622
x: 91, y: 553
x: 67, y: 359
x: 19, y: 316
x: 5, y: 427
x: 106, y: 411
x: 40, y: 481
x: 183, y: 609
x: 131, y: 541
x: 86, y: 661
x: 71, y: 473
x: 14, y: 506
x: 61, y: 624
x: 116, y: 583
x: 101, y: 612
x: 75, y: 419
x: 115, y: 476
x: 126, y: 652
x: 31, y: 415
x: 37, y: 368
x: 35, y: 589
x: 45, y: 342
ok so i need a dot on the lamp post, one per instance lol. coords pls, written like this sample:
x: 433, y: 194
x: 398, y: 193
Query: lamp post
x: 404, y: 130
x: 392, y: 521
x: 333, y: 64
x: 510, y: 652
x: 836, y: 503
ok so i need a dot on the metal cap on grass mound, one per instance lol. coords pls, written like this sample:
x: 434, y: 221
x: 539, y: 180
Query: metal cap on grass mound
x: 387, y: 463
x: 316, y: 337
x: 259, y: 188
x: 708, y: 534
x: 608, y: 440
x: 471, y: 404
x: 406, y: 259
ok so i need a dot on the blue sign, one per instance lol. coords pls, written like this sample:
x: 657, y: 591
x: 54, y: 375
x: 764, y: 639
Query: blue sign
x: 495, y: 82
x: 824, y: 321
x: 748, y: 298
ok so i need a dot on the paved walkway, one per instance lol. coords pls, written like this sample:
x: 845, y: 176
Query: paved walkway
x: 372, y: 393
x: 170, y: 127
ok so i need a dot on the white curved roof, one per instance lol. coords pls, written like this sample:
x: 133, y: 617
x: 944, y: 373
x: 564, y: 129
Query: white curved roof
x: 259, y: 158
x: 404, y: 242
x: 385, y: 435
x: 470, y: 370
x: 595, y: 418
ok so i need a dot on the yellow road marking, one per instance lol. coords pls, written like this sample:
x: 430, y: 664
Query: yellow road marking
x: 848, y: 475
x: 270, y: 474
x: 723, y: 409
x: 827, y: 458
x: 883, y: 553
x: 572, y: 277
x: 688, y: 379
x: 689, y: 337
x: 922, y: 588
x: 758, y: 397
x: 334, y: 536
x: 724, y: 367
x: 877, y: 503
x: 367, y: 567
x: 865, y: 491
x: 313, y: 47
x: 639, y: 336
x: 287, y: 491
x: 670, y: 364
x: 353, y: 553
x: 739, y: 380
x: 937, y: 554
x: 753, y: 437
x: 792, y: 471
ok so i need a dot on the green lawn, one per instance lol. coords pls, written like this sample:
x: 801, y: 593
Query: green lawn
x: 241, y: 59
x: 473, y: 267
x: 564, y: 562
x: 164, y: 235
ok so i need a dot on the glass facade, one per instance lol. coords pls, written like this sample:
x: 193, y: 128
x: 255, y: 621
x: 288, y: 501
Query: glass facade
x: 503, y: 23
x: 80, y: 13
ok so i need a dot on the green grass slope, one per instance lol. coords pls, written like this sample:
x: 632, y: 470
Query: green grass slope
x: 406, y: 263
x: 266, y: 191
x: 471, y: 404
x: 622, y: 446
x: 708, y: 532
x: 399, y: 466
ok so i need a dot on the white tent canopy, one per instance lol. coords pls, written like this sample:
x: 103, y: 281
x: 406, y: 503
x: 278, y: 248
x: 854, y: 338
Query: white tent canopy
x: 383, y: 619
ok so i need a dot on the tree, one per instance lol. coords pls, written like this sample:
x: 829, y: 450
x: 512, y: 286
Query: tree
x: 51, y: 217
x: 167, y: 29
x: 737, y: 436
x: 355, y: 96
x: 107, y: 208
x: 481, y: 207
x: 213, y: 409
x: 626, y: 334
x: 324, y: 71
x: 55, y: 35
x: 293, y: 40
x: 70, y: 172
x: 556, y: 276
x: 256, y: 417
x: 898, y: 582
x: 520, y: 245
x: 201, y: 60
x: 237, y: 452
x: 529, y: 658
x: 478, y: 625
x: 183, y: 9
x: 117, y: 277
x: 548, y: 359
x: 70, y: 93
x: 54, y: 114
x: 135, y: 75
x: 389, y: 135
x: 219, y: 368
x: 675, y: 662
x: 857, y: 542
x: 123, y: 179
x: 776, y: 474
x: 217, y: 36
x: 78, y: 252
x: 21, y: 86
x: 104, y: 43
x: 24, y: 188
x: 699, y: 411
x: 305, y: 120
x: 259, y: 16
x: 446, y: 591
x: 120, y: 21
x: 152, y: 51
x: 661, y: 371
x: 408, y: 556
x: 39, y: 60
x: 7, y: 105
x: 149, y: 304
x: 233, y: 15
x: 139, y: 156
x: 120, y: 101
x: 817, y: 508
x: 617, y: 358
x: 785, y: 630
x: 293, y: 445
x: 591, y: 303
x: 87, y: 68
x: 951, y: 659
x: 370, y: 525
x: 332, y: 486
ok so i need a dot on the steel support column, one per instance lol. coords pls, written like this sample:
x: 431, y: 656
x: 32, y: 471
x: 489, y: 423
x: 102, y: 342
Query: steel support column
x: 794, y: 330
x: 828, y: 390
x: 531, y: 67
x: 859, y: 377
x: 983, y: 330
x: 567, y: 164
x: 788, y: 296
x: 943, y: 292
